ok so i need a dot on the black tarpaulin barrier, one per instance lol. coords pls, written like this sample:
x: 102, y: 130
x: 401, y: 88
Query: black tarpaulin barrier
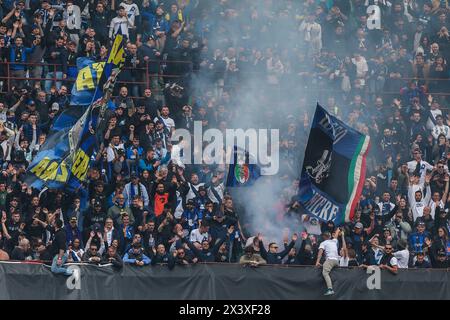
x: 217, y: 281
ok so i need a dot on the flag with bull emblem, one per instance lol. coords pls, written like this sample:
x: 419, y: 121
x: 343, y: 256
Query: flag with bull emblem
x: 334, y: 169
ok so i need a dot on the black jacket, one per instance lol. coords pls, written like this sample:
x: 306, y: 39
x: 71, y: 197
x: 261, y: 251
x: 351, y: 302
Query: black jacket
x: 146, y: 51
x: 60, y: 60
x: 160, y: 259
x: 117, y: 261
x: 205, y: 255
x: 275, y: 258
x: 19, y: 254
x: 58, y: 242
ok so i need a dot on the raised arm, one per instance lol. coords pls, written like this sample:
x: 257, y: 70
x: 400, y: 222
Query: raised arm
x: 289, y: 247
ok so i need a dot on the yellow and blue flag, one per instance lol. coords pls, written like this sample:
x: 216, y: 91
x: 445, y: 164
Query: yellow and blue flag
x: 64, y: 159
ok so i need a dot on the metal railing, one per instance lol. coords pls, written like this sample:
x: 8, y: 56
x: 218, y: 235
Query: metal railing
x: 147, y: 77
x: 144, y: 73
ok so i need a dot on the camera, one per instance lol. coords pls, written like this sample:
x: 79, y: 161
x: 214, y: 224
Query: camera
x: 175, y: 90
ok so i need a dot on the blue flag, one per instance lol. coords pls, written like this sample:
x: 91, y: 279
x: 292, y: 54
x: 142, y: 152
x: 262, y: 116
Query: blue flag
x: 64, y: 159
x: 244, y: 174
x: 88, y: 87
x: 333, y: 170
x: 88, y: 79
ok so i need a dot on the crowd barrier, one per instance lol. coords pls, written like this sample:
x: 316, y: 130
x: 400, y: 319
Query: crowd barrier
x: 145, y: 77
x: 218, y: 281
x: 148, y: 80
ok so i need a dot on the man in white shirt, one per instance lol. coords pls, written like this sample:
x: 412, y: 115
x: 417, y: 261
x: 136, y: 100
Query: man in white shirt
x: 419, y: 165
x: 437, y: 201
x: 386, y: 205
x: 403, y: 254
x: 122, y: 23
x: 131, y: 9
x: 440, y: 128
x: 194, y: 184
x: 113, y: 147
x: 434, y: 112
x: 417, y: 200
x: 199, y: 235
x: 330, y: 247
x: 312, y: 34
x: 168, y: 122
x: 361, y: 66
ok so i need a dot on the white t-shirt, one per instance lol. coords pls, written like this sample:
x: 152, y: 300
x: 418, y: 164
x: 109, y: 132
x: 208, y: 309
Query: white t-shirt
x: 402, y: 259
x: 168, y: 122
x: 343, y: 261
x: 424, y: 166
x: 331, y: 248
x: 434, y: 113
x: 119, y: 23
x: 433, y: 207
x: 394, y: 261
x: 132, y: 10
x: 361, y: 67
x: 196, y: 236
x: 437, y: 130
x: 110, y: 152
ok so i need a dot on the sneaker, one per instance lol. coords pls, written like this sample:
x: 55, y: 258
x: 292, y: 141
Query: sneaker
x: 329, y: 292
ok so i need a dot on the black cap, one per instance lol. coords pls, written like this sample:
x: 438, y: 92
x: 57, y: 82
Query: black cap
x: 97, y: 203
x: 201, y: 188
x: 190, y: 201
x: 134, y: 175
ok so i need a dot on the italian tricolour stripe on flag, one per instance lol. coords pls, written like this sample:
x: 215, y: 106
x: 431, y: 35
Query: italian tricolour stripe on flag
x: 356, y: 176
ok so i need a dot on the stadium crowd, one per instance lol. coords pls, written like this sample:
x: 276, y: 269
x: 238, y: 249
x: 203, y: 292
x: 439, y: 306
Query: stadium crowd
x: 189, y: 60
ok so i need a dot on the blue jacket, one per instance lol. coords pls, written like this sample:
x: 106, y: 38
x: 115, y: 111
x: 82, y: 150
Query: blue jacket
x: 28, y: 132
x: 72, y: 234
x: 129, y: 152
x: 194, y: 216
x: 156, y: 23
x: 130, y: 258
x: 417, y: 241
x: 145, y: 165
x: 12, y: 57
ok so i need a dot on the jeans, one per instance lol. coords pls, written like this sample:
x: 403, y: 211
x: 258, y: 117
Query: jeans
x: 60, y: 269
x: 35, y: 72
x: 49, y: 80
x: 18, y: 83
